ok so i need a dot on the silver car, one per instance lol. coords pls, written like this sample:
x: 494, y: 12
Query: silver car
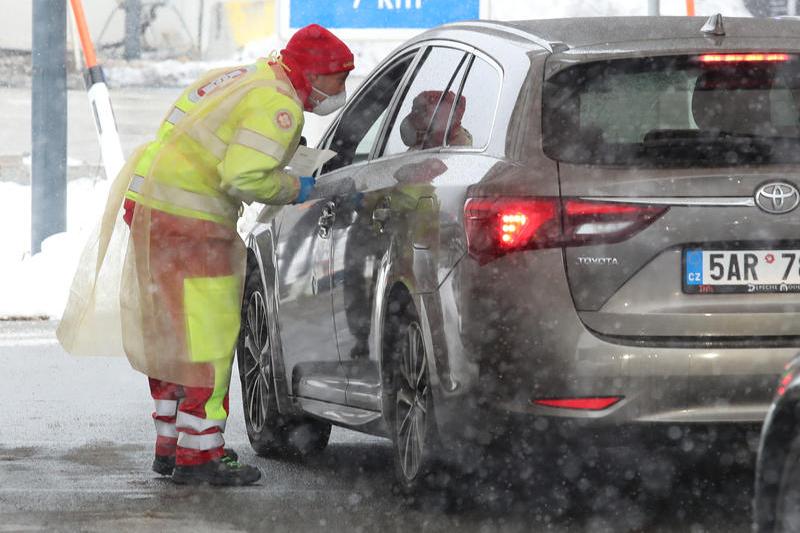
x: 536, y: 226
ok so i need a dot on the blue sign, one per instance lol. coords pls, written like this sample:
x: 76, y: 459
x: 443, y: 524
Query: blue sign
x: 694, y: 267
x: 381, y: 14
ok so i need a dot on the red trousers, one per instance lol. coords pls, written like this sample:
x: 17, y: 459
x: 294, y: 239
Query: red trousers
x: 182, y: 428
x: 189, y: 420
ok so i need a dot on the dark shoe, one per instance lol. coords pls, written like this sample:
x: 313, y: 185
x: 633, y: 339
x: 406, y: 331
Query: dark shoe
x: 223, y: 472
x: 165, y: 464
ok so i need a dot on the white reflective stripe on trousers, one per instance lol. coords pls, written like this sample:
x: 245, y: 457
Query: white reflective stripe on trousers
x: 183, y: 198
x: 166, y: 407
x: 166, y: 429
x: 195, y: 423
x: 200, y: 442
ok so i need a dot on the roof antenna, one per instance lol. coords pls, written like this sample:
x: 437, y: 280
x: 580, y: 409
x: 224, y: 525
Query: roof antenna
x: 714, y: 25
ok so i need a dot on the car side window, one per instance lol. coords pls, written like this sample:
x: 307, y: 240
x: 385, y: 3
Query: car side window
x: 422, y: 117
x: 365, y: 146
x: 360, y: 122
x: 473, y: 116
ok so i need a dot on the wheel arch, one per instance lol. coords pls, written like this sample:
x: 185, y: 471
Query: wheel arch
x: 395, y: 300
x: 261, y: 255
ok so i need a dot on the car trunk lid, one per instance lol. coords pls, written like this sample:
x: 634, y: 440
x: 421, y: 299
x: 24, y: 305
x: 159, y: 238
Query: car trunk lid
x: 714, y: 142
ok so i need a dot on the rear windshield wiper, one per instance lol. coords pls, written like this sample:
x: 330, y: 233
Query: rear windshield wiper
x: 659, y: 138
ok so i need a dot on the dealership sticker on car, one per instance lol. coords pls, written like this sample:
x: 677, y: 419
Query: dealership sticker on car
x: 726, y: 271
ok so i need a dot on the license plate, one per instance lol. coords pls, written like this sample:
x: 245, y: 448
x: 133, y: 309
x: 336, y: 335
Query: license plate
x: 726, y: 271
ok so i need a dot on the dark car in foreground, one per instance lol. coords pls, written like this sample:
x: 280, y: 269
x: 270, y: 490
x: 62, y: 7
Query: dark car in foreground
x: 777, y: 489
x: 531, y: 226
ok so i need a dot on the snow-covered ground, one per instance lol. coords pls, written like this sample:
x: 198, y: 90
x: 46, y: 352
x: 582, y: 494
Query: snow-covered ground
x: 38, y: 285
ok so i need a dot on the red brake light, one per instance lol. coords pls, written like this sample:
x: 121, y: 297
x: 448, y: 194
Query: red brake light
x: 589, y: 404
x: 785, y: 380
x: 742, y: 58
x: 497, y: 226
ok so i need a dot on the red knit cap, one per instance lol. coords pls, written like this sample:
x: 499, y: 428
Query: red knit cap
x: 314, y: 50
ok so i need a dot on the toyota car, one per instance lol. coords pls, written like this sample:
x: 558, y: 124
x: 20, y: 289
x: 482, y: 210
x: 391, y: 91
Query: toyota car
x: 542, y: 228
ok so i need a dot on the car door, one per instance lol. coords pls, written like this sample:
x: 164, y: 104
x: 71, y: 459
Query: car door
x: 367, y: 217
x: 302, y: 254
x: 304, y: 249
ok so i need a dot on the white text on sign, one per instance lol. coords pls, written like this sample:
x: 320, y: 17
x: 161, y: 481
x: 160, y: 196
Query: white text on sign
x: 393, y: 4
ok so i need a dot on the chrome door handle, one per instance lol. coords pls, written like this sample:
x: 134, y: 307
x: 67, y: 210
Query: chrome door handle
x: 326, y: 220
x: 381, y: 216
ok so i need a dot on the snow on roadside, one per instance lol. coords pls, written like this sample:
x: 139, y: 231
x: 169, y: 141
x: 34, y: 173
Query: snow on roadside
x: 168, y: 73
x: 38, y: 285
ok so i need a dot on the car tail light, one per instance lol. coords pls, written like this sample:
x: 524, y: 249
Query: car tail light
x: 597, y: 403
x: 752, y: 57
x: 595, y: 222
x: 497, y: 226
x: 784, y: 382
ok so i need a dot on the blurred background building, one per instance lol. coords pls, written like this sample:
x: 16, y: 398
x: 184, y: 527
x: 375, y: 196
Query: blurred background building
x: 218, y: 29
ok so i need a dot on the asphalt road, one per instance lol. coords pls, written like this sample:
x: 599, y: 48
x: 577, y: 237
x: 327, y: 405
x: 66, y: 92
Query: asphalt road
x: 76, y: 442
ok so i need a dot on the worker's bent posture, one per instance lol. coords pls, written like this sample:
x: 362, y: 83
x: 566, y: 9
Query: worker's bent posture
x: 226, y: 140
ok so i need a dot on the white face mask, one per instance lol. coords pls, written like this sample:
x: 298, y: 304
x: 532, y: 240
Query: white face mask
x: 330, y: 104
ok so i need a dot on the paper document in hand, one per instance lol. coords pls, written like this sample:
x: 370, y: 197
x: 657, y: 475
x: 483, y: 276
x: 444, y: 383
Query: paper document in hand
x: 307, y: 160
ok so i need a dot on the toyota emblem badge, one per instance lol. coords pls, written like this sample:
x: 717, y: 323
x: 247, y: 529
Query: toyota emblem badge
x: 777, y: 197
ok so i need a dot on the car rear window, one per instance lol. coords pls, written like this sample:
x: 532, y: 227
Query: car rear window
x: 703, y: 110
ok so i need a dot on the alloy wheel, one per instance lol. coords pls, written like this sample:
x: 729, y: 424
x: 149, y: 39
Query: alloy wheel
x: 412, y: 404
x: 257, y: 364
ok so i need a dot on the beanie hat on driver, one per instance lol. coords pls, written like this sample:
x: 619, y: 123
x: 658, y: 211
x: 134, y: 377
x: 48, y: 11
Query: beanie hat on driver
x: 314, y: 50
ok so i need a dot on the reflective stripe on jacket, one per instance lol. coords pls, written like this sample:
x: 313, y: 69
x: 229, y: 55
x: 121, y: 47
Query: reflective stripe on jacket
x: 226, y: 140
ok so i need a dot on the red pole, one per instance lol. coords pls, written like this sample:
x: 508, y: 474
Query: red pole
x: 83, y: 32
x: 690, y: 8
x: 106, y: 124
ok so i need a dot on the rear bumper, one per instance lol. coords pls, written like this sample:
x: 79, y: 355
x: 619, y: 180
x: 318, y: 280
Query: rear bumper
x: 500, y: 343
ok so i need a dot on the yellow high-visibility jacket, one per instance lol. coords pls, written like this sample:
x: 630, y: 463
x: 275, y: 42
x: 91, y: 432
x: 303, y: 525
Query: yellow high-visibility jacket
x: 167, y: 290
x: 226, y: 140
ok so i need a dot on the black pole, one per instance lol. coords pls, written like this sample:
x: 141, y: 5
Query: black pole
x: 133, y: 22
x: 48, y: 121
x: 200, y: 29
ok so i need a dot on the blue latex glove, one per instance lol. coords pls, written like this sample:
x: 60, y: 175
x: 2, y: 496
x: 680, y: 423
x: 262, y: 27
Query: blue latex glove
x: 306, y: 188
x: 358, y: 200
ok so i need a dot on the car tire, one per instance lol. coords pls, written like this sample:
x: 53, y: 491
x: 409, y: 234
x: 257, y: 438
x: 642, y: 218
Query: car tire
x: 410, y: 410
x: 270, y: 433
